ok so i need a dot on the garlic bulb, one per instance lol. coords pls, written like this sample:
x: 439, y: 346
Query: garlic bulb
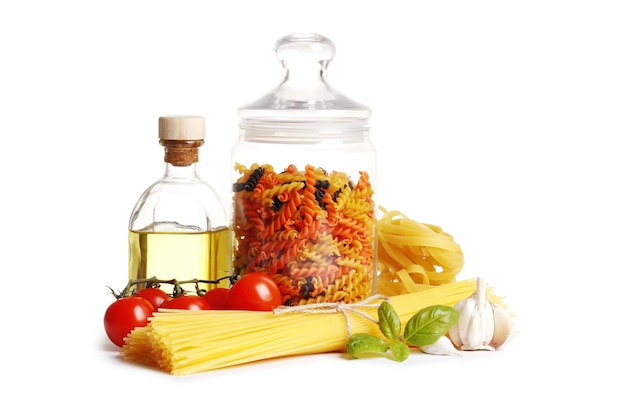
x: 482, y: 324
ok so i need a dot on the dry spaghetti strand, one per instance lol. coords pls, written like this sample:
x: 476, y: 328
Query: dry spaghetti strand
x: 187, y: 342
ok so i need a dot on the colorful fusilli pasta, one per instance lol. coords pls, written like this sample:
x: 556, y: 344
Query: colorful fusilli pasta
x: 313, y: 231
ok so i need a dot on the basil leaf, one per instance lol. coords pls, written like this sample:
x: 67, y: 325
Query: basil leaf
x: 399, y: 350
x: 389, y: 321
x: 362, y: 344
x: 429, y: 324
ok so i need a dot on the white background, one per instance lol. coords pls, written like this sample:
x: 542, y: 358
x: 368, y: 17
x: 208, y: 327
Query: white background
x: 502, y: 122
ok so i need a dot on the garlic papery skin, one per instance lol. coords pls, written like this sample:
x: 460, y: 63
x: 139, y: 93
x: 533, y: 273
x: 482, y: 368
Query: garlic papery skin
x: 482, y: 324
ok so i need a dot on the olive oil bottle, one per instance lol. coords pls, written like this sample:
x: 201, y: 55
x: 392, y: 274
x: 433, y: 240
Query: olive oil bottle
x: 179, y: 227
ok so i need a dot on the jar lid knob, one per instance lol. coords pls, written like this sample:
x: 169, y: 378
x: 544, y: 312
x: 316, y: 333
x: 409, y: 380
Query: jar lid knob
x: 304, y: 47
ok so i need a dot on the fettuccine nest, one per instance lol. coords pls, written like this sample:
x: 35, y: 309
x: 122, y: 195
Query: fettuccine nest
x: 413, y: 255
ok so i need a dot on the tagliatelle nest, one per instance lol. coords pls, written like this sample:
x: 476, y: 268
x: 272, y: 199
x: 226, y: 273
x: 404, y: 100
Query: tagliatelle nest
x: 413, y: 255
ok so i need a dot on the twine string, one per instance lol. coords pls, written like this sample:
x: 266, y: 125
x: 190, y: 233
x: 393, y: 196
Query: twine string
x: 337, y: 307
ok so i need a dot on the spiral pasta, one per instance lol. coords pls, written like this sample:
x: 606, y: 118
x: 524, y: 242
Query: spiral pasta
x: 311, y: 230
x: 413, y: 256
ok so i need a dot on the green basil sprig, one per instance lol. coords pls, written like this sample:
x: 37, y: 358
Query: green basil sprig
x: 422, y: 329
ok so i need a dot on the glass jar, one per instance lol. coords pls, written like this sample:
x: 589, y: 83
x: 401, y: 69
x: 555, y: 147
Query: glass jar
x: 304, y: 180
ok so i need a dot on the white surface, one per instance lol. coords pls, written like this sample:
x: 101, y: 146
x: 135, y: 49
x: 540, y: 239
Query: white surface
x: 502, y: 122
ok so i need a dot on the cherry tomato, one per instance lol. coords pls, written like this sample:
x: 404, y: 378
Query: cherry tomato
x: 155, y: 296
x: 216, y: 297
x: 125, y: 314
x: 190, y: 301
x: 255, y: 291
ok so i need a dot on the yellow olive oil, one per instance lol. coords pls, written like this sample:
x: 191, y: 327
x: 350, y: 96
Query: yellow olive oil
x: 180, y: 255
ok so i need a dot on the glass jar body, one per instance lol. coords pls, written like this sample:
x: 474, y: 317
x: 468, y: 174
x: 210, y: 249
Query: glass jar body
x: 304, y: 210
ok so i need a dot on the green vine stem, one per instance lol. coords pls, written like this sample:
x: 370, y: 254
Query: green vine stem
x: 178, y: 290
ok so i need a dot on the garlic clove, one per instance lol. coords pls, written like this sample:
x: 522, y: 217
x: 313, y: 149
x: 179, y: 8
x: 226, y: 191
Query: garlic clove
x: 454, y: 336
x: 477, y: 334
x: 488, y: 324
x: 458, y: 332
x: 443, y: 346
x: 503, y: 326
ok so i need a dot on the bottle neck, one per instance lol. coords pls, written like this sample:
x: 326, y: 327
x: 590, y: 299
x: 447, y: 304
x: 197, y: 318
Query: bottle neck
x: 185, y: 172
x: 181, y: 158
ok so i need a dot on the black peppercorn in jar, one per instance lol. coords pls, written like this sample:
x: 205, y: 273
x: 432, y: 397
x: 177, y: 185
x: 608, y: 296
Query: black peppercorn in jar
x: 304, y: 181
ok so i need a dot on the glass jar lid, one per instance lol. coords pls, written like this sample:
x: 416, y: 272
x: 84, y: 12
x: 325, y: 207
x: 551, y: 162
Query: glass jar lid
x: 304, y: 100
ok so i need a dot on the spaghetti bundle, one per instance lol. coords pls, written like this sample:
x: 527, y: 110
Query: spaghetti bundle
x: 413, y: 256
x: 187, y: 342
x: 311, y: 230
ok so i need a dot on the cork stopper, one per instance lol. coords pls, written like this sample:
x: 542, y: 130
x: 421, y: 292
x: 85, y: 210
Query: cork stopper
x: 181, y: 128
x: 181, y: 136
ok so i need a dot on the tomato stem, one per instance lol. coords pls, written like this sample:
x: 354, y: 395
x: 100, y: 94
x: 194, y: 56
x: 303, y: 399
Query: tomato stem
x: 156, y: 283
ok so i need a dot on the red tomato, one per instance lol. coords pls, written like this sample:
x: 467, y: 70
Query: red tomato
x: 216, y: 297
x: 255, y: 291
x: 191, y: 302
x: 125, y: 314
x: 155, y: 296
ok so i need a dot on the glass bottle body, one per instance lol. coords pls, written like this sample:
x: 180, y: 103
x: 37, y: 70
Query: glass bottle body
x: 179, y: 230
